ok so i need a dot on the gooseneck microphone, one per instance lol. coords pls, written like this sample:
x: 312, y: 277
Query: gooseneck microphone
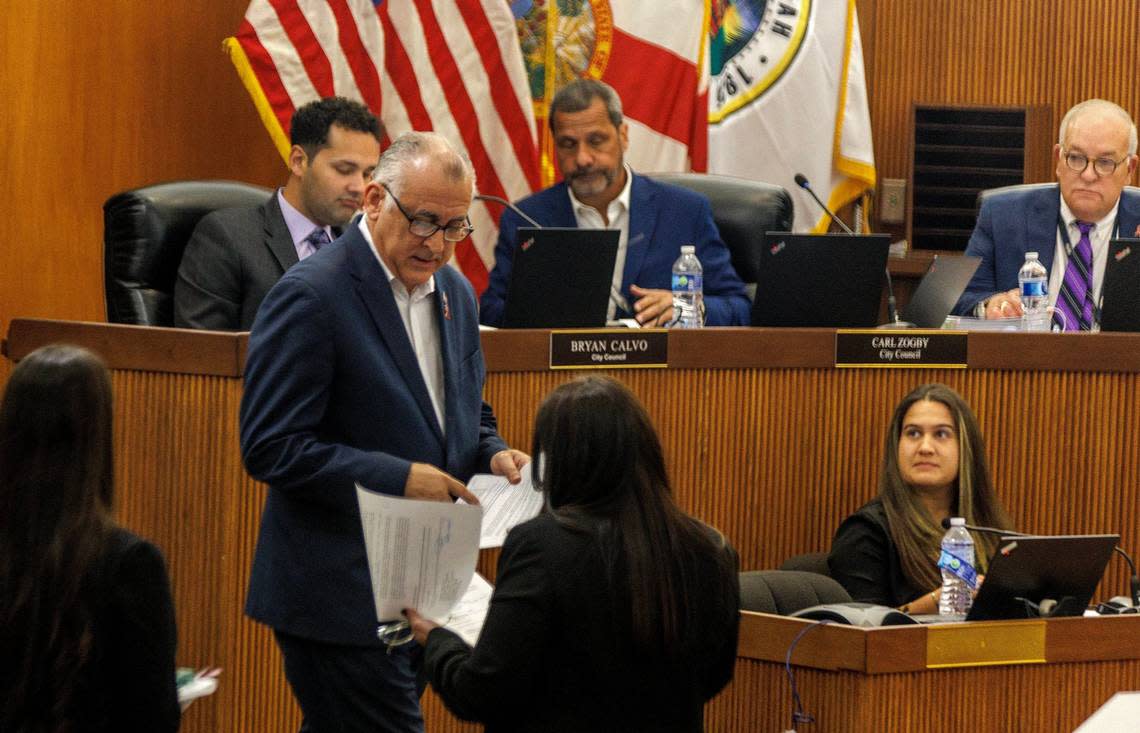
x: 892, y: 309
x: 802, y: 182
x: 509, y: 205
x: 1133, y: 580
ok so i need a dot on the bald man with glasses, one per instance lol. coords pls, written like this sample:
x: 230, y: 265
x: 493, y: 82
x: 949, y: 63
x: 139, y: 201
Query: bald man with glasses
x: 1069, y: 225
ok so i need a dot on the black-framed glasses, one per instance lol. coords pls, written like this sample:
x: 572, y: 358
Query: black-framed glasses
x: 425, y: 228
x: 1103, y: 166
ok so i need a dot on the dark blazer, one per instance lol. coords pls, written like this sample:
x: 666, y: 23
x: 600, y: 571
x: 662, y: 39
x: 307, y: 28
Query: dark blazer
x: 231, y: 261
x: 128, y: 684
x: 555, y: 653
x: 1011, y: 224
x: 864, y: 559
x: 333, y: 396
x: 662, y: 217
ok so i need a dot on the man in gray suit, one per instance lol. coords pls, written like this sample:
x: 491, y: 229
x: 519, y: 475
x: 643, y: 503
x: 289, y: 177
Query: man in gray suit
x: 236, y: 255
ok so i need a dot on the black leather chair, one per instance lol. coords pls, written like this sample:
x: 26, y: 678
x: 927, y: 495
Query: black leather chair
x: 809, y: 562
x: 743, y: 211
x: 144, y: 233
x: 784, y: 592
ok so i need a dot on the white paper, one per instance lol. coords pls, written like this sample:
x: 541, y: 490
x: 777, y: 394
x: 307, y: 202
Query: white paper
x: 1118, y: 715
x: 469, y: 614
x: 421, y: 554
x: 504, y: 504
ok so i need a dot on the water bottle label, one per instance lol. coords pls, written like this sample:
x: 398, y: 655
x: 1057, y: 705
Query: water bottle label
x: 959, y: 567
x: 1033, y: 289
x: 690, y: 282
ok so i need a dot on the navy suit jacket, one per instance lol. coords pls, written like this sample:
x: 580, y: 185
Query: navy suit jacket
x: 333, y: 396
x: 662, y: 217
x: 1011, y: 224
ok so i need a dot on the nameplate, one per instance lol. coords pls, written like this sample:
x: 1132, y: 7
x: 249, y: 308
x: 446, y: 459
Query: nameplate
x: 903, y: 349
x: 610, y: 349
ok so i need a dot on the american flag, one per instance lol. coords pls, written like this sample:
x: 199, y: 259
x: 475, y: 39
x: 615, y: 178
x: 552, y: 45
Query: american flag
x: 454, y: 67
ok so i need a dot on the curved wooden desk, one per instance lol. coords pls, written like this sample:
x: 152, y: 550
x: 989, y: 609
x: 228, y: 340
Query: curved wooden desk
x: 764, y: 437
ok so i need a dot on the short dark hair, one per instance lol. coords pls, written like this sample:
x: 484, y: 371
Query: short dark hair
x: 311, y: 122
x: 580, y: 94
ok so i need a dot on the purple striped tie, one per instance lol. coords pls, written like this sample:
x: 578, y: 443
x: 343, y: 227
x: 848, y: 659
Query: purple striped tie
x: 1075, y: 300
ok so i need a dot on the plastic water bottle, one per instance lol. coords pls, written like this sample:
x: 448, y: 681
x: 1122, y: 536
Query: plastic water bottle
x: 1033, y: 282
x: 688, y: 293
x: 959, y: 577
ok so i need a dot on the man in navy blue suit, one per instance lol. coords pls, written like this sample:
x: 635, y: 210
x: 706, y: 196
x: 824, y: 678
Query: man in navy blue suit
x: 1095, y: 157
x: 364, y: 366
x: 601, y: 191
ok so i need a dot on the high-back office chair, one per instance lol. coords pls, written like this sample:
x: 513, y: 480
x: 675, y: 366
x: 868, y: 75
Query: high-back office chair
x: 743, y: 211
x: 145, y: 231
x: 809, y: 562
x: 784, y: 592
x: 986, y: 194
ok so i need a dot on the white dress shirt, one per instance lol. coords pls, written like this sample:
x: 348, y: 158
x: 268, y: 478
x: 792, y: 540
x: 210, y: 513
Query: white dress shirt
x: 617, y: 213
x: 418, y: 311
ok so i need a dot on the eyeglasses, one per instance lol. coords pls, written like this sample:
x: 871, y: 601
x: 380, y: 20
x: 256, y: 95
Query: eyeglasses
x: 1103, y: 166
x: 425, y: 228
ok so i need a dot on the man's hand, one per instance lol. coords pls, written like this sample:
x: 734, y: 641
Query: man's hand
x: 425, y: 481
x: 508, y: 463
x: 1004, y: 305
x: 421, y: 626
x: 653, y: 307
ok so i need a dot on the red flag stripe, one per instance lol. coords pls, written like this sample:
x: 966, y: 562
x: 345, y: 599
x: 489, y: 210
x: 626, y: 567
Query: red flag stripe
x: 699, y: 135
x: 356, y: 55
x: 471, y: 264
x: 308, y: 46
x: 663, y: 100
x: 502, y: 91
x: 458, y: 100
x: 400, y: 72
x: 262, y: 64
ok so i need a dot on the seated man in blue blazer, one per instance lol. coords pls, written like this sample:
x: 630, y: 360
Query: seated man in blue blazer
x: 1069, y: 225
x: 364, y: 366
x: 601, y: 191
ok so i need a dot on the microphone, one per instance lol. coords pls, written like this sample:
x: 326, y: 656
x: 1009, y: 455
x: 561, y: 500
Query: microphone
x: 509, y: 205
x: 1133, y: 580
x: 802, y: 182
x: 892, y: 309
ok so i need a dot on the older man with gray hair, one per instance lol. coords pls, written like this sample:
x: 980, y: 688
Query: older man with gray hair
x: 1069, y: 225
x: 364, y: 366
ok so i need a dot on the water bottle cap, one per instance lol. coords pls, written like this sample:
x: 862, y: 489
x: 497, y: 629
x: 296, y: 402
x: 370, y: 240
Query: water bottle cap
x: 957, y: 521
x: 688, y: 249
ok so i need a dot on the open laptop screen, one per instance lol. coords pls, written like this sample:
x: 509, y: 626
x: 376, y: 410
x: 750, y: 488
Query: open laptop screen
x: 829, y: 280
x: 561, y: 278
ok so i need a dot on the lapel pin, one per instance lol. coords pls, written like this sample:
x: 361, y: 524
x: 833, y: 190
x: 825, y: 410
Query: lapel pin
x: 446, y: 307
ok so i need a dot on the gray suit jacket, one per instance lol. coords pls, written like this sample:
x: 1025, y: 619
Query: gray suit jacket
x: 231, y: 261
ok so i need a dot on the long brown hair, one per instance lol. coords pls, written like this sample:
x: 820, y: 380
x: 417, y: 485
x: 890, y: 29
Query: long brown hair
x: 56, y: 493
x: 915, y: 533
x: 600, y: 464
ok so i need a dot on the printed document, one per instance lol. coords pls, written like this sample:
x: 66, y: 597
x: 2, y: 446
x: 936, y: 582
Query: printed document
x: 504, y: 504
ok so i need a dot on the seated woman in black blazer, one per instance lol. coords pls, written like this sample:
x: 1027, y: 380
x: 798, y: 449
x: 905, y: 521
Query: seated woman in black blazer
x: 613, y: 610
x: 86, y: 620
x: 934, y: 467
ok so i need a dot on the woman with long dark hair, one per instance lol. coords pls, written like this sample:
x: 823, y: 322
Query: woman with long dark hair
x: 86, y: 620
x: 934, y: 467
x: 613, y: 609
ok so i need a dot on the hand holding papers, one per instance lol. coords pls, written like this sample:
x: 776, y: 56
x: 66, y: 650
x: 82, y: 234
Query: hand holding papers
x: 504, y: 504
x: 421, y: 554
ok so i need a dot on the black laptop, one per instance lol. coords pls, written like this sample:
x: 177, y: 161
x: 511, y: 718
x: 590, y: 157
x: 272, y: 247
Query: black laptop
x: 939, y: 290
x: 561, y: 278
x: 828, y: 280
x: 1120, y: 293
x: 1029, y: 570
